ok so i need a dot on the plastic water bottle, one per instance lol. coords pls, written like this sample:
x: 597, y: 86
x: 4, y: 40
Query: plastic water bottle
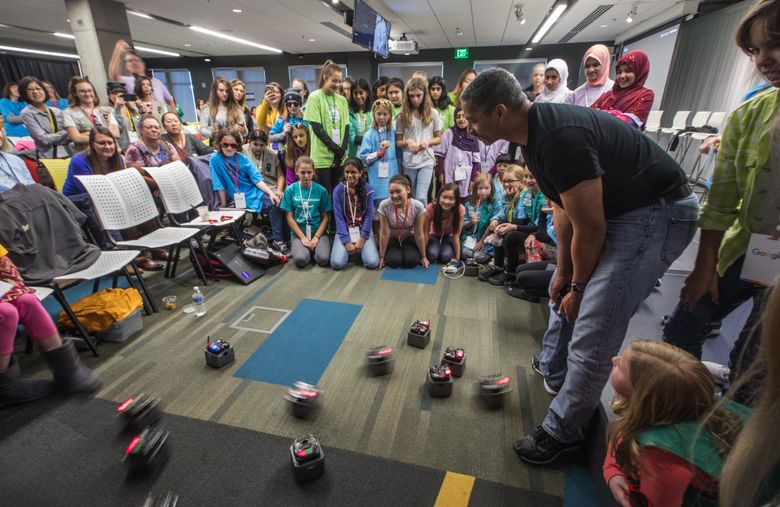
x: 199, y: 301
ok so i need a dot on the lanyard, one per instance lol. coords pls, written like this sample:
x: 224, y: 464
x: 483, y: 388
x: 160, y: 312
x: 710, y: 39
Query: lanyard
x: 162, y: 150
x: 379, y: 134
x: 403, y: 225
x: 8, y: 172
x: 51, y: 121
x: 332, y: 110
x: 180, y: 150
x: 130, y: 118
x: 305, y: 215
x: 352, y: 209
x: 235, y: 178
x: 512, y: 207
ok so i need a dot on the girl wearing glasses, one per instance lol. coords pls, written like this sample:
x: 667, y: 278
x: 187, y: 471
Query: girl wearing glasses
x: 293, y: 115
x: 45, y: 124
x: 234, y: 177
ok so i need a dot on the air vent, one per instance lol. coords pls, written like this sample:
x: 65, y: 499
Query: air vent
x: 337, y: 29
x: 593, y: 16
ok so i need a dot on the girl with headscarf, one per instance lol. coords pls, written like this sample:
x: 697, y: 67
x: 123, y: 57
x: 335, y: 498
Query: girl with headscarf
x: 629, y: 100
x: 596, y: 65
x: 458, y: 155
x: 556, y: 76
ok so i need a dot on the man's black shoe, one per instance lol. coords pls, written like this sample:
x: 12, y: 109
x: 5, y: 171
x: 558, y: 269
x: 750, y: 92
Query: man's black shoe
x: 541, y: 448
x: 535, y: 364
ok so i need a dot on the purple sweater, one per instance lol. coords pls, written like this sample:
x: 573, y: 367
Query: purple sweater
x: 341, y: 219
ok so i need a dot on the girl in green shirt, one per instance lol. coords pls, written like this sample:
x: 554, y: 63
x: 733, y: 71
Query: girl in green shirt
x: 437, y: 87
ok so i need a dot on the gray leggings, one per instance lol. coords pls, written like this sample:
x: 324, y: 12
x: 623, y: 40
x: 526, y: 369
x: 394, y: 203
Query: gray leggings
x: 302, y: 255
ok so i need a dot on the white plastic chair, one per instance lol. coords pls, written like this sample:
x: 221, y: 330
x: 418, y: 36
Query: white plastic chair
x: 699, y: 120
x: 122, y: 200
x: 678, y: 122
x: 717, y: 120
x: 653, y: 123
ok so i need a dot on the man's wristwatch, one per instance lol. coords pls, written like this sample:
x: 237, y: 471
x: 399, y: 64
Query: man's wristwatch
x: 579, y: 288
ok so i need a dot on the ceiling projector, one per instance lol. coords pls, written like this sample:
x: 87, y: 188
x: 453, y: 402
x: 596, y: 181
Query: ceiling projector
x: 403, y: 47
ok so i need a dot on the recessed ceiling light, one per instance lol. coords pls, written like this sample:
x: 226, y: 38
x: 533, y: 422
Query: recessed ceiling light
x: 39, y: 52
x: 522, y: 21
x: 604, y: 26
x: 140, y: 14
x: 207, y: 59
x: 529, y: 49
x: 237, y: 11
x: 68, y: 20
x: 64, y: 35
x: 312, y: 40
x: 158, y: 51
x: 234, y: 39
x: 334, y: 2
x: 187, y: 44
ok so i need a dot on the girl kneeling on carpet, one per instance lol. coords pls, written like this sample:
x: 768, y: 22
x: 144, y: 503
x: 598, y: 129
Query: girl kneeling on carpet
x: 353, y: 211
x: 401, y: 231
x: 669, y: 444
x: 19, y: 304
x: 444, y: 223
x: 307, y: 205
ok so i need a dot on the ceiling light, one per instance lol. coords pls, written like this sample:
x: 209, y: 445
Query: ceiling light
x: 158, y: 51
x: 603, y: 26
x: 187, y: 44
x: 519, y: 14
x: 458, y: 31
x: 207, y: 59
x: 39, y: 52
x: 234, y: 39
x: 549, y: 22
x: 334, y: 2
x: 631, y: 14
x: 529, y: 49
x: 522, y: 21
x: 64, y: 35
x: 140, y: 14
x: 237, y: 11
x: 68, y: 20
x: 312, y: 40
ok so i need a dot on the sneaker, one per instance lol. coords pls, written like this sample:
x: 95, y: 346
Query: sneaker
x: 281, y: 247
x: 535, y: 364
x: 489, y: 272
x: 517, y: 292
x: 720, y: 373
x: 551, y: 389
x: 540, y: 448
x: 499, y: 279
x: 713, y: 328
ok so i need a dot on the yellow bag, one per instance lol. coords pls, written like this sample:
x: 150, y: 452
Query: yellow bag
x: 98, y: 311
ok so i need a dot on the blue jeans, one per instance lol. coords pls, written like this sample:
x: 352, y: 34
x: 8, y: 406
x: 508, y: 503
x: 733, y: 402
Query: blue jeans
x: 276, y: 217
x: 639, y: 247
x: 369, y: 254
x: 421, y: 182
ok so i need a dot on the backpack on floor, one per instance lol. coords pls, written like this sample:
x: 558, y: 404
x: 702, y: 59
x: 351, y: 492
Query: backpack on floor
x: 98, y: 311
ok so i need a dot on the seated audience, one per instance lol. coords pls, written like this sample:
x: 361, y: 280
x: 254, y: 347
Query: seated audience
x: 134, y: 65
x: 145, y: 102
x: 46, y: 125
x: 85, y: 113
x: 629, y: 100
x: 53, y: 98
x: 307, y: 216
x: 11, y: 107
x: 502, y: 162
x: 556, y: 79
x: 12, y: 169
x: 19, y: 305
x: 353, y: 212
x: 597, y: 81
x: 401, y: 232
x: 444, y: 223
x: 126, y: 118
x: 186, y: 145
x: 150, y: 150
x: 480, y: 207
x: 458, y: 156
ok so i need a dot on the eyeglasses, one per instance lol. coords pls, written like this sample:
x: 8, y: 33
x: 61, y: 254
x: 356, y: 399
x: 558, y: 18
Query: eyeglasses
x: 509, y: 182
x: 294, y: 104
x: 104, y: 143
x: 230, y: 145
x: 34, y: 90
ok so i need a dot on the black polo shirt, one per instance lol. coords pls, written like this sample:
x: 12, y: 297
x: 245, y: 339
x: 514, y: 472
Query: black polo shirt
x: 569, y: 144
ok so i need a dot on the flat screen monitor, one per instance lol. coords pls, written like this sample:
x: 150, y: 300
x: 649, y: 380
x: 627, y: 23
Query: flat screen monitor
x: 370, y: 30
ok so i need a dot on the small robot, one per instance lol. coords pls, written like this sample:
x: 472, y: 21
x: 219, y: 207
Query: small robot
x: 456, y: 359
x: 308, y: 458
x: 219, y: 353
x: 439, y: 381
x: 148, y: 451
x: 380, y: 360
x: 303, y: 398
x: 139, y: 412
x: 493, y: 390
x: 419, y: 334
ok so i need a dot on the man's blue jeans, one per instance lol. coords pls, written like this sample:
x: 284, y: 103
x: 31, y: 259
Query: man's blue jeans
x: 639, y: 247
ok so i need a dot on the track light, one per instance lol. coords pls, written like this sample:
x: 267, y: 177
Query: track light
x: 519, y: 14
x: 631, y: 14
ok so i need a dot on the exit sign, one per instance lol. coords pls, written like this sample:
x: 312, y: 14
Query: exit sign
x: 461, y: 53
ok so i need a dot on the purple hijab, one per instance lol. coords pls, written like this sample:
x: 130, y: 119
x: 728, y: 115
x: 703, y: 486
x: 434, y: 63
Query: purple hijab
x: 461, y: 138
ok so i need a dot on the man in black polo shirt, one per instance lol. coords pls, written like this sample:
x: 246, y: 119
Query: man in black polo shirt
x: 622, y: 212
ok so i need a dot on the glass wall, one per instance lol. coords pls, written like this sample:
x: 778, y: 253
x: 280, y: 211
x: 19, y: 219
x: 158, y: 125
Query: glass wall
x: 179, y: 83
x: 253, y: 78
x: 310, y: 74
x: 405, y: 70
x: 520, y: 68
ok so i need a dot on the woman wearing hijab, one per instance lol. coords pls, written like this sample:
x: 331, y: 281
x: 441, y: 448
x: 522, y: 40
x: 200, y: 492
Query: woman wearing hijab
x: 458, y: 155
x: 596, y: 65
x: 556, y: 77
x: 629, y: 100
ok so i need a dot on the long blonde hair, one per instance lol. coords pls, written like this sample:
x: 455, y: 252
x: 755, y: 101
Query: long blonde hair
x: 754, y: 455
x: 459, y: 88
x: 237, y: 82
x: 426, y: 108
x: 235, y: 114
x: 669, y: 386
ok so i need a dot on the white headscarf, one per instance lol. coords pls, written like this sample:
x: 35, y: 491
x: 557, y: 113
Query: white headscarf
x: 562, y: 91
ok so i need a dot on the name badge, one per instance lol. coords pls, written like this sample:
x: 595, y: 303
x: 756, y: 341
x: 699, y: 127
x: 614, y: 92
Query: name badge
x: 485, y: 167
x: 762, y: 260
x: 354, y: 234
x: 240, y: 199
x: 384, y: 170
x: 470, y: 242
x: 461, y: 172
x: 132, y: 136
x: 308, y: 232
x: 335, y: 134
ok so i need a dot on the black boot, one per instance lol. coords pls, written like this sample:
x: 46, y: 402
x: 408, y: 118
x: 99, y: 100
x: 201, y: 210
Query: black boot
x: 70, y: 374
x: 15, y: 389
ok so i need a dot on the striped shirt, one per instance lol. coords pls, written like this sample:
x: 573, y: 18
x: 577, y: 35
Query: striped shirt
x: 739, y: 178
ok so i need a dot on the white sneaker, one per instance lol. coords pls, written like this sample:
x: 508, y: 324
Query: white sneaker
x: 720, y: 373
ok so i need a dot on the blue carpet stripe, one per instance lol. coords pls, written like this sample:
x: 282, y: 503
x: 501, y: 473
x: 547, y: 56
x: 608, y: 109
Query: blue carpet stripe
x: 303, y: 345
x: 419, y: 274
x: 579, y: 489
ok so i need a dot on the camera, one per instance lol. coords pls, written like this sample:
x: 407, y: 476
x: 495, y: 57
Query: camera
x: 130, y: 97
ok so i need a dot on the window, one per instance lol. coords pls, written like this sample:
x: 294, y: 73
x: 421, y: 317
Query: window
x: 179, y: 83
x: 310, y: 74
x: 405, y: 70
x: 520, y: 68
x: 253, y: 78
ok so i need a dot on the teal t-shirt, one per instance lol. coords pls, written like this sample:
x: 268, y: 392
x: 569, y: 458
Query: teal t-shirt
x: 332, y: 112
x: 307, y: 205
x: 359, y: 123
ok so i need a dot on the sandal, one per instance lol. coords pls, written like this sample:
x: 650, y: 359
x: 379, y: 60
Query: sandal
x: 148, y: 264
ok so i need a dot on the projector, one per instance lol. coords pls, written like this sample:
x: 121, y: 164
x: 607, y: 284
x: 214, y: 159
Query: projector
x: 403, y: 47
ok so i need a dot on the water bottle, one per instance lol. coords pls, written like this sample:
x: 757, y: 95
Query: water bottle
x: 199, y: 302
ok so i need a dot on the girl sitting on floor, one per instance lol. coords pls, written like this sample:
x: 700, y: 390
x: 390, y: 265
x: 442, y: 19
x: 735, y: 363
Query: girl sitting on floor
x: 401, y: 231
x: 480, y: 208
x: 658, y: 452
x: 444, y: 224
x: 503, y: 222
x: 307, y: 205
x: 353, y: 211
